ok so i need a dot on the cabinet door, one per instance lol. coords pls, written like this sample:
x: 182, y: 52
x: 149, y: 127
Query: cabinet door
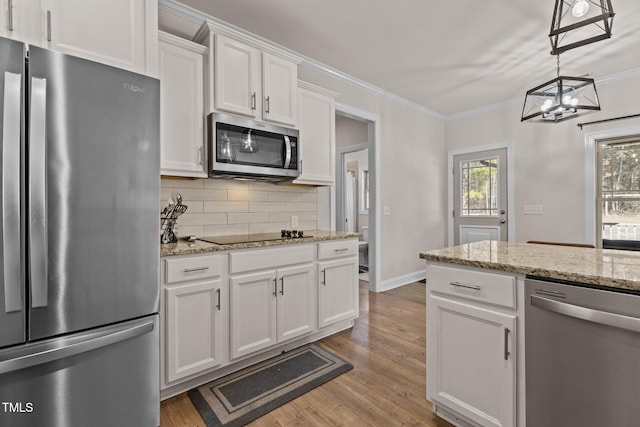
x: 193, y: 314
x: 337, y: 291
x: 296, y: 302
x: 472, y: 361
x: 253, y: 312
x: 316, y: 123
x: 182, y: 107
x: 279, y: 90
x: 20, y: 20
x: 114, y: 32
x: 237, y: 69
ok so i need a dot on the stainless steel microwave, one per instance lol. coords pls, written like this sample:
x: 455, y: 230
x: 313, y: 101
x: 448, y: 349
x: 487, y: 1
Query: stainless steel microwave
x: 242, y: 148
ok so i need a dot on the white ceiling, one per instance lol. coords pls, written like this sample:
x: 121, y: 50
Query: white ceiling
x: 449, y: 56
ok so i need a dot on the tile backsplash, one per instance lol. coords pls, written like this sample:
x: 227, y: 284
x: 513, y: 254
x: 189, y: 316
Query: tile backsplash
x: 222, y: 207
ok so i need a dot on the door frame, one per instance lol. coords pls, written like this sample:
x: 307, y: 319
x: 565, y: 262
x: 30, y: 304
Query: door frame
x: 340, y: 177
x: 373, y: 126
x: 511, y: 225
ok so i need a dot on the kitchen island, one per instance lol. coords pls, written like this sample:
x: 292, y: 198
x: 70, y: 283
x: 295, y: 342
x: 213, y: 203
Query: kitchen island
x: 478, y: 313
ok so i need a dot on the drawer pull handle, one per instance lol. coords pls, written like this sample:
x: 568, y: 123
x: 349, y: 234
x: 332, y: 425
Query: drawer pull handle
x: 275, y: 287
x: 341, y: 250
x: 191, y: 270
x: 218, y: 292
x: 282, y: 287
x: 462, y: 285
x: 324, y: 277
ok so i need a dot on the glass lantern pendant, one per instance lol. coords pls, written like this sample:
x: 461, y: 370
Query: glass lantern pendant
x: 560, y: 99
x: 579, y: 22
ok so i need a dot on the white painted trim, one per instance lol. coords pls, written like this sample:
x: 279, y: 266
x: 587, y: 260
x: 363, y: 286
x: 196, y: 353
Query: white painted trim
x: 308, y: 86
x: 405, y: 279
x: 590, y: 141
x: 375, y: 240
x: 511, y: 204
x: 182, y: 43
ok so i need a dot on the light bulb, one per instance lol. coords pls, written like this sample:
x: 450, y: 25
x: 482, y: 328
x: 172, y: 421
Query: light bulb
x: 566, y: 99
x: 580, y: 8
x: 574, y: 102
x: 546, y: 105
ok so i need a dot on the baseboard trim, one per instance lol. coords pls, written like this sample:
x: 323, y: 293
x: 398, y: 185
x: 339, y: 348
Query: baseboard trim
x: 396, y: 282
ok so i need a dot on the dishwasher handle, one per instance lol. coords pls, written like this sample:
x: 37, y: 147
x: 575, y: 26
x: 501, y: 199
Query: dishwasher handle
x: 579, y: 312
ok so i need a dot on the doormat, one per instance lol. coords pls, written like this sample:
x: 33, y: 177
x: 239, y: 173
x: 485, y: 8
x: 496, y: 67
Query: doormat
x: 246, y: 395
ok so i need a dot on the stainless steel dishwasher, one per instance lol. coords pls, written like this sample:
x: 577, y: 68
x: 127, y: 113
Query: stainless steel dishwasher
x: 582, y: 347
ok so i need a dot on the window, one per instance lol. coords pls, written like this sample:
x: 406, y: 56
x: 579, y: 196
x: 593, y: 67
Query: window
x: 618, y: 203
x: 479, y: 187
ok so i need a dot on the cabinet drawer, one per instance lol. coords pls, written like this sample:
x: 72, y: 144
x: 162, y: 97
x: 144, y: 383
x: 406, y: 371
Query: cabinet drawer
x: 192, y: 268
x: 491, y: 288
x: 337, y: 249
x: 263, y: 259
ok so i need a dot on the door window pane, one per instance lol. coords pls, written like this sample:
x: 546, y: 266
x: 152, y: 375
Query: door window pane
x: 619, y: 196
x: 479, y: 187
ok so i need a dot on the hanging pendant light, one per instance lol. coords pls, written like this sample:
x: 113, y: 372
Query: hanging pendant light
x: 560, y: 99
x: 579, y: 22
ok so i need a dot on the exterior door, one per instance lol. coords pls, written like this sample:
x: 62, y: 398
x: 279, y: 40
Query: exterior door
x: 480, y: 196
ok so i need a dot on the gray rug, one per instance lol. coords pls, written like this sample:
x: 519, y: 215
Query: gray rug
x: 246, y: 395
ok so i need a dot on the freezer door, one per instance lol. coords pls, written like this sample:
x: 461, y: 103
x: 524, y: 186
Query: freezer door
x: 94, y: 194
x: 103, y: 378
x: 12, y: 312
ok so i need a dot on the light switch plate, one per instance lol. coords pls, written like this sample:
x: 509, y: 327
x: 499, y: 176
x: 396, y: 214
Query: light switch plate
x: 386, y: 210
x: 294, y: 221
x: 532, y: 210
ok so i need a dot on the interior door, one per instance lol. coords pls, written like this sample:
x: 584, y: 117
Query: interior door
x: 480, y: 196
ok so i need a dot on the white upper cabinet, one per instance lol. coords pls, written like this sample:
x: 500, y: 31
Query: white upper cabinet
x: 280, y: 90
x: 317, y: 125
x: 182, y: 120
x: 20, y: 20
x: 121, y: 33
x: 237, y: 79
x: 249, y: 76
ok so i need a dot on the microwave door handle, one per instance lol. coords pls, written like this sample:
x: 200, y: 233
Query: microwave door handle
x: 287, y: 150
x: 37, y: 195
x: 11, y: 139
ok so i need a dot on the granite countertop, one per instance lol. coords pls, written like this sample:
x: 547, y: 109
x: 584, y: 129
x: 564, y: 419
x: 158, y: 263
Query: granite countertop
x: 184, y: 247
x: 602, y: 267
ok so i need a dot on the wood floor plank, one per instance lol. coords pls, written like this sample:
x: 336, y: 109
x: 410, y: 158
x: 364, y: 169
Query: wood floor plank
x: 386, y: 386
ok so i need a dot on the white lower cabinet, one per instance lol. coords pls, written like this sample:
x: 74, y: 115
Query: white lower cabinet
x: 472, y: 347
x: 272, y: 297
x: 194, y: 315
x: 338, y: 289
x: 194, y: 312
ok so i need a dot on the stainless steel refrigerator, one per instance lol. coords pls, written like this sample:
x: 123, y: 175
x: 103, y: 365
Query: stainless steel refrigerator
x: 79, y: 252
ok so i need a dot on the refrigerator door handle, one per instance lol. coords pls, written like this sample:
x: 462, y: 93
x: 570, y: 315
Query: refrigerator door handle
x: 11, y: 124
x: 56, y: 350
x: 37, y: 193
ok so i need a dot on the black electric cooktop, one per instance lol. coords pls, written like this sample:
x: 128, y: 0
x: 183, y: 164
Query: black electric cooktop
x: 249, y: 238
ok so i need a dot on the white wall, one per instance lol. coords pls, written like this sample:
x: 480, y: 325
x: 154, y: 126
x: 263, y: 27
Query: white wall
x: 549, y: 158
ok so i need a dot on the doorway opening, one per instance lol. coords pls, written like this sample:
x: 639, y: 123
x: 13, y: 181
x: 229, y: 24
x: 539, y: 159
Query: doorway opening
x: 356, y: 186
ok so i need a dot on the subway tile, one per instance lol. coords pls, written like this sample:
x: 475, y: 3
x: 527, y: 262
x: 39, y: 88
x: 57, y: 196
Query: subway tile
x: 286, y: 216
x: 225, y: 206
x: 267, y: 227
x: 247, y: 218
x: 190, y: 230
x: 202, y: 219
x: 267, y: 207
x: 301, y: 206
x: 226, y: 184
x: 248, y: 196
x: 202, y: 194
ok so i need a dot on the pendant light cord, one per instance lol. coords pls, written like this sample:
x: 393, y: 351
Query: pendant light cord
x: 558, y: 65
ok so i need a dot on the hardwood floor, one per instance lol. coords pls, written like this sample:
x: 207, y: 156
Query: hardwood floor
x: 386, y: 386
